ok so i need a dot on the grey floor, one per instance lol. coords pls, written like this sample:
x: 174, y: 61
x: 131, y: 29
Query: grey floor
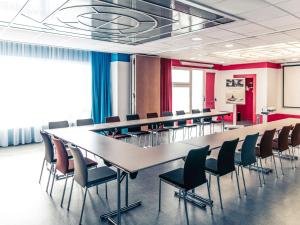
x: 24, y: 201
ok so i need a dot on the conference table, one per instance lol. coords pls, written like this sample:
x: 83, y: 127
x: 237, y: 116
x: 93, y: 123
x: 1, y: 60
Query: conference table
x: 128, y: 158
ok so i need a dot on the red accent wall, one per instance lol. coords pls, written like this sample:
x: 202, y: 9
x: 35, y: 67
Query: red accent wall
x: 210, y: 90
x: 280, y: 116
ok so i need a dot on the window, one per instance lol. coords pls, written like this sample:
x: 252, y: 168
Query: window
x: 187, y: 89
x: 34, y: 91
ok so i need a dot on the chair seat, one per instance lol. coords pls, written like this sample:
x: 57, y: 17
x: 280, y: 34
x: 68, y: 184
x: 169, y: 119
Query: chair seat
x: 100, y: 175
x: 138, y: 133
x: 174, y: 177
x: 119, y: 136
x: 211, y: 165
x: 173, y: 127
x: 190, y: 125
x: 158, y: 130
x: 89, y: 163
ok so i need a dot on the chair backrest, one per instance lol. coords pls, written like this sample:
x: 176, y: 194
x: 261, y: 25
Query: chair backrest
x: 248, y: 155
x: 113, y: 119
x: 194, y: 167
x: 133, y: 117
x: 84, y: 122
x: 195, y: 111
x: 167, y: 124
x: 226, y: 156
x: 152, y: 115
x: 266, y: 143
x: 49, y: 151
x: 207, y: 119
x: 295, y: 136
x: 58, y: 124
x: 62, y: 161
x: 180, y: 113
x: 283, y: 138
x: 81, y: 171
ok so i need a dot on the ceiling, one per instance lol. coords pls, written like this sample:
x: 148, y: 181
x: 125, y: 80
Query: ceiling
x: 263, y: 30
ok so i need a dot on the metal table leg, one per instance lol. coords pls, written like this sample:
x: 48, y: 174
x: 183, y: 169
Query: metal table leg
x: 258, y: 169
x: 223, y: 125
x: 120, y: 210
x: 195, y: 199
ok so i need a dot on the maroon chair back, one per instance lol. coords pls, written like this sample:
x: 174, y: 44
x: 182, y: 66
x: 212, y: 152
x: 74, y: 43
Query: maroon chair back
x: 113, y: 119
x: 283, y: 138
x: 295, y: 136
x: 266, y: 144
x: 62, y: 163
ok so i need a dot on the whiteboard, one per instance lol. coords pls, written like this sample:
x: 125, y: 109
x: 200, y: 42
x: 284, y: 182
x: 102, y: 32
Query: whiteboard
x: 291, y: 86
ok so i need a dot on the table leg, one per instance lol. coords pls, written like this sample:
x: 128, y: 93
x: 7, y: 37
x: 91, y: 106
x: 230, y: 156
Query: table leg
x: 120, y: 210
x: 223, y: 126
x: 195, y: 199
x: 260, y: 170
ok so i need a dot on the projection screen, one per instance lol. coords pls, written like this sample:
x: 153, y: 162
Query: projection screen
x: 291, y: 86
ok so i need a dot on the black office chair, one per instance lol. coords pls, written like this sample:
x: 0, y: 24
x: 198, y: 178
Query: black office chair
x: 184, y: 123
x: 223, y: 165
x: 115, y: 133
x: 246, y: 156
x: 155, y: 128
x: 84, y: 122
x: 88, y: 178
x: 58, y: 124
x: 189, y: 177
x: 136, y: 131
x: 209, y: 121
x: 281, y: 144
x: 171, y: 125
x: 197, y: 121
x: 294, y: 140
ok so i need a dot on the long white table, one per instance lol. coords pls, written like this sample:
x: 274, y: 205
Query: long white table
x: 130, y: 158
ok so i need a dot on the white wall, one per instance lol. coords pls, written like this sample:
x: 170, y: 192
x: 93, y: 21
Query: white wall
x: 261, y: 87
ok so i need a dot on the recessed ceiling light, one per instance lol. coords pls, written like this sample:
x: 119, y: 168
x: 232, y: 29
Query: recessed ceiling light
x: 192, y: 58
x: 196, y: 39
x: 229, y: 45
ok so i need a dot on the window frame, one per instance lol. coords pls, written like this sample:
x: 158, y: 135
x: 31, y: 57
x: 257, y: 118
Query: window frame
x: 187, y: 84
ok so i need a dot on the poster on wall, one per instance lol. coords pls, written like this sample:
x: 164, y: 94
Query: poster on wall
x: 235, y: 91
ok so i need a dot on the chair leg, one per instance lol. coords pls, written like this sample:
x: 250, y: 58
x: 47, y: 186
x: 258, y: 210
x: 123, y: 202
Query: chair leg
x: 83, y: 203
x: 53, y: 180
x: 237, y: 182
x: 42, y: 171
x: 159, y: 196
x: 48, y: 182
x: 63, y: 195
x: 106, y: 195
x: 244, y: 180
x: 219, y: 189
x: 185, y: 207
x: 258, y: 172
x: 209, y: 197
x: 291, y: 160
x: 209, y: 181
x: 279, y: 154
x: 261, y: 167
x: 295, y: 164
x: 275, y: 166
x: 70, y: 196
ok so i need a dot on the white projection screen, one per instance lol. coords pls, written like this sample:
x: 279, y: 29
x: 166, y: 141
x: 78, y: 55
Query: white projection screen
x: 291, y: 86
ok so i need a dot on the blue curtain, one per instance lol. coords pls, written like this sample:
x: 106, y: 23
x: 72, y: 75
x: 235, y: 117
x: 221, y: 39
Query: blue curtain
x: 101, y: 96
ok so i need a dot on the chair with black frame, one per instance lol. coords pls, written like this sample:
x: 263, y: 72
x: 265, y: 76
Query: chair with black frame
x: 294, y: 140
x: 184, y: 123
x: 88, y: 178
x: 58, y: 124
x: 84, y: 122
x: 65, y: 166
x: 156, y: 128
x: 197, y: 121
x: 136, y: 131
x: 223, y: 165
x: 188, y: 178
x: 281, y: 144
x: 209, y: 121
x: 265, y: 149
x: 246, y: 156
x: 115, y: 133
x: 171, y: 126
